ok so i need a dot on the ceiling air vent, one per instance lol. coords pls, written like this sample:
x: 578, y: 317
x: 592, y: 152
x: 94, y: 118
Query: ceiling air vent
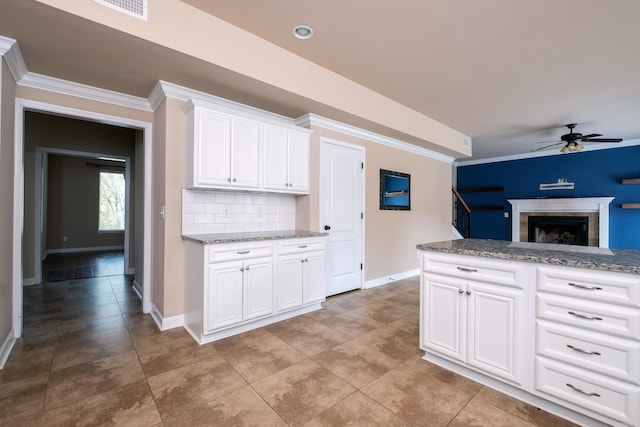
x: 137, y: 8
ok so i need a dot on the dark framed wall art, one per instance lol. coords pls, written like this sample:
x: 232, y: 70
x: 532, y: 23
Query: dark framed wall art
x: 395, y: 190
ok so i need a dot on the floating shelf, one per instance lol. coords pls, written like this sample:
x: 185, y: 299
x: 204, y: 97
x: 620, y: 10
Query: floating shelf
x: 479, y: 189
x: 631, y: 181
x: 631, y: 206
x: 487, y: 208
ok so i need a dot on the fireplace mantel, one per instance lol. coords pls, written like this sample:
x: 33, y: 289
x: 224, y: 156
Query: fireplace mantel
x: 583, y: 204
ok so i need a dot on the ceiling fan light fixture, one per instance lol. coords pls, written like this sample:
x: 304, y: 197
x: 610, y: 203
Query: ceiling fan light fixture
x: 303, y: 32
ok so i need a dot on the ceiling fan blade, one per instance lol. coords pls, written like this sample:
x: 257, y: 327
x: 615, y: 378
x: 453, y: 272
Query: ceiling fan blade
x: 602, y: 140
x: 591, y: 135
x: 547, y: 146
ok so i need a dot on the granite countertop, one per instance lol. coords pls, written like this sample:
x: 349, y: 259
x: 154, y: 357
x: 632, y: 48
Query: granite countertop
x: 620, y: 260
x: 218, y: 238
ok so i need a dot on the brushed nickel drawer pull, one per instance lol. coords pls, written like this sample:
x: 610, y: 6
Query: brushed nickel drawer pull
x: 467, y: 270
x: 589, y: 288
x: 302, y: 246
x: 579, y: 350
x: 242, y: 252
x: 583, y: 316
x: 582, y: 391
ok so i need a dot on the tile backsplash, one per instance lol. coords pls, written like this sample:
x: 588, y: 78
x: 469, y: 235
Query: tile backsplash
x: 206, y: 212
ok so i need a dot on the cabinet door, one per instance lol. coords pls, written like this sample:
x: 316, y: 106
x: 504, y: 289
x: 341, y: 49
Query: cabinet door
x: 298, y: 162
x: 212, y: 155
x: 276, y: 161
x: 289, y: 282
x: 258, y: 287
x: 223, y: 295
x: 494, y: 329
x: 444, y: 317
x: 313, y: 278
x: 245, y: 145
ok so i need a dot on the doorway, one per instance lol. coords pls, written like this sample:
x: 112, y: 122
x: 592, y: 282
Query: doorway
x: 143, y: 215
x: 342, y: 214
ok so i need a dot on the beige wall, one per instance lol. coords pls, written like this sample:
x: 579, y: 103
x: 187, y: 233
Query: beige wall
x: 51, y: 131
x: 72, y: 204
x: 390, y: 236
x: 7, y: 113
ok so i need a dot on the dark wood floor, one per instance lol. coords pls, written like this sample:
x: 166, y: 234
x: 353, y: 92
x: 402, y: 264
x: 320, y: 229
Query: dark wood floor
x: 82, y: 265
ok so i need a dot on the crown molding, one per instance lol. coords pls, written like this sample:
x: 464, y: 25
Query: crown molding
x: 65, y: 87
x: 165, y: 89
x: 525, y: 156
x: 12, y: 55
x: 311, y: 119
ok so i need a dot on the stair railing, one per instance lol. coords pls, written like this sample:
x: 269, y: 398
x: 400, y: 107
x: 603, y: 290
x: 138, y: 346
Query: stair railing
x: 461, y: 214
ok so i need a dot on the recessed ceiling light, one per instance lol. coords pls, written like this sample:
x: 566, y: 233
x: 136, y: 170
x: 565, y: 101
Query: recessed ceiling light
x: 303, y: 32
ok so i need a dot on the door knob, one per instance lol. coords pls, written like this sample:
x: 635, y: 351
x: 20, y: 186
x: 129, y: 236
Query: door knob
x: 327, y: 227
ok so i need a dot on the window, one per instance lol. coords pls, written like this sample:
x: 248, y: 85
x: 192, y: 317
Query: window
x: 112, y: 194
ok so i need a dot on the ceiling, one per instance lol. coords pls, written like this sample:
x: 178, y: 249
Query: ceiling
x: 508, y: 73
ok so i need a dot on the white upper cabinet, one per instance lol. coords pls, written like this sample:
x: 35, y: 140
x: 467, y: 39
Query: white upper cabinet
x: 232, y: 151
x: 225, y: 150
x: 286, y: 160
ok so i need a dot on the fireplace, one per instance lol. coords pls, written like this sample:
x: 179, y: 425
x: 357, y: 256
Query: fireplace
x: 595, y: 209
x: 563, y: 230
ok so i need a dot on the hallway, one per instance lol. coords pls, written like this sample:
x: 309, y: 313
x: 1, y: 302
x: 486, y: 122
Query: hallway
x: 82, y: 265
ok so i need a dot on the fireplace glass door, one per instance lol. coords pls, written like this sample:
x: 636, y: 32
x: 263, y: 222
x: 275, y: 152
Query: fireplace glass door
x: 564, y: 230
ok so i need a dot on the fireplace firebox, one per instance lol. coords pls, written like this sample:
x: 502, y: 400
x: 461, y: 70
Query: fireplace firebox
x: 565, y: 230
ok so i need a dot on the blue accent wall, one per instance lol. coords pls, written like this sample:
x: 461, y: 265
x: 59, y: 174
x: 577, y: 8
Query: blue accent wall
x: 595, y: 173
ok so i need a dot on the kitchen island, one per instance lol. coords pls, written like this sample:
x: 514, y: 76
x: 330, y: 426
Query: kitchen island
x: 553, y: 325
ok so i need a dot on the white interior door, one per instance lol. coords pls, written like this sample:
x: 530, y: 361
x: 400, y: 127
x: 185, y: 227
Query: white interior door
x: 341, y: 214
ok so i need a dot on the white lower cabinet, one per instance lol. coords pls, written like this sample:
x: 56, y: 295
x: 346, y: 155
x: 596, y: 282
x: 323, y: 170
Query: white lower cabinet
x: 232, y: 288
x: 301, y: 273
x: 476, y: 323
x: 562, y: 338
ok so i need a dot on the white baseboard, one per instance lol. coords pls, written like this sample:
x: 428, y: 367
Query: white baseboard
x: 6, y: 347
x: 86, y: 249
x: 29, y: 281
x: 137, y: 287
x: 165, y: 323
x: 390, y: 279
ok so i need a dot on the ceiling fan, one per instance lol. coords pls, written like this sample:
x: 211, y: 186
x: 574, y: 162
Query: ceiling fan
x: 571, y: 140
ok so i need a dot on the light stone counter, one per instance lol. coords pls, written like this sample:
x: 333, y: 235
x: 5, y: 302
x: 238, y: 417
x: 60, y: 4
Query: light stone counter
x: 219, y: 238
x: 619, y: 260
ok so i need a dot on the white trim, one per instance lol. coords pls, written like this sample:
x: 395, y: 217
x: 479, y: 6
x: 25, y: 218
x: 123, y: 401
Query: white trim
x: 5, y: 348
x: 579, y: 204
x: 536, y: 154
x: 10, y: 50
x: 390, y: 279
x: 30, y: 281
x: 65, y: 87
x: 164, y: 89
x: 87, y: 249
x: 165, y: 323
x: 146, y: 127
x: 323, y: 122
x: 456, y: 233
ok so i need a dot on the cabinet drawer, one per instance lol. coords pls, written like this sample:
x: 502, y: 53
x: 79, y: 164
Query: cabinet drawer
x: 616, y: 288
x: 474, y: 268
x: 607, y: 318
x: 616, y: 357
x: 612, y: 398
x: 219, y: 253
x: 300, y: 245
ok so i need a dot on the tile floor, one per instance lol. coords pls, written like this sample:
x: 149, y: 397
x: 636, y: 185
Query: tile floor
x: 71, y: 266
x: 89, y: 357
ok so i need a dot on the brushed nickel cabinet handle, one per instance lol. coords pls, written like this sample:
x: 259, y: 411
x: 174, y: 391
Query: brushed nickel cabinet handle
x: 468, y: 292
x: 579, y: 350
x: 228, y: 179
x: 247, y: 268
x: 460, y: 291
x: 572, y: 387
x: 467, y: 270
x: 242, y: 252
x: 302, y: 246
x: 584, y: 316
x: 589, y: 288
